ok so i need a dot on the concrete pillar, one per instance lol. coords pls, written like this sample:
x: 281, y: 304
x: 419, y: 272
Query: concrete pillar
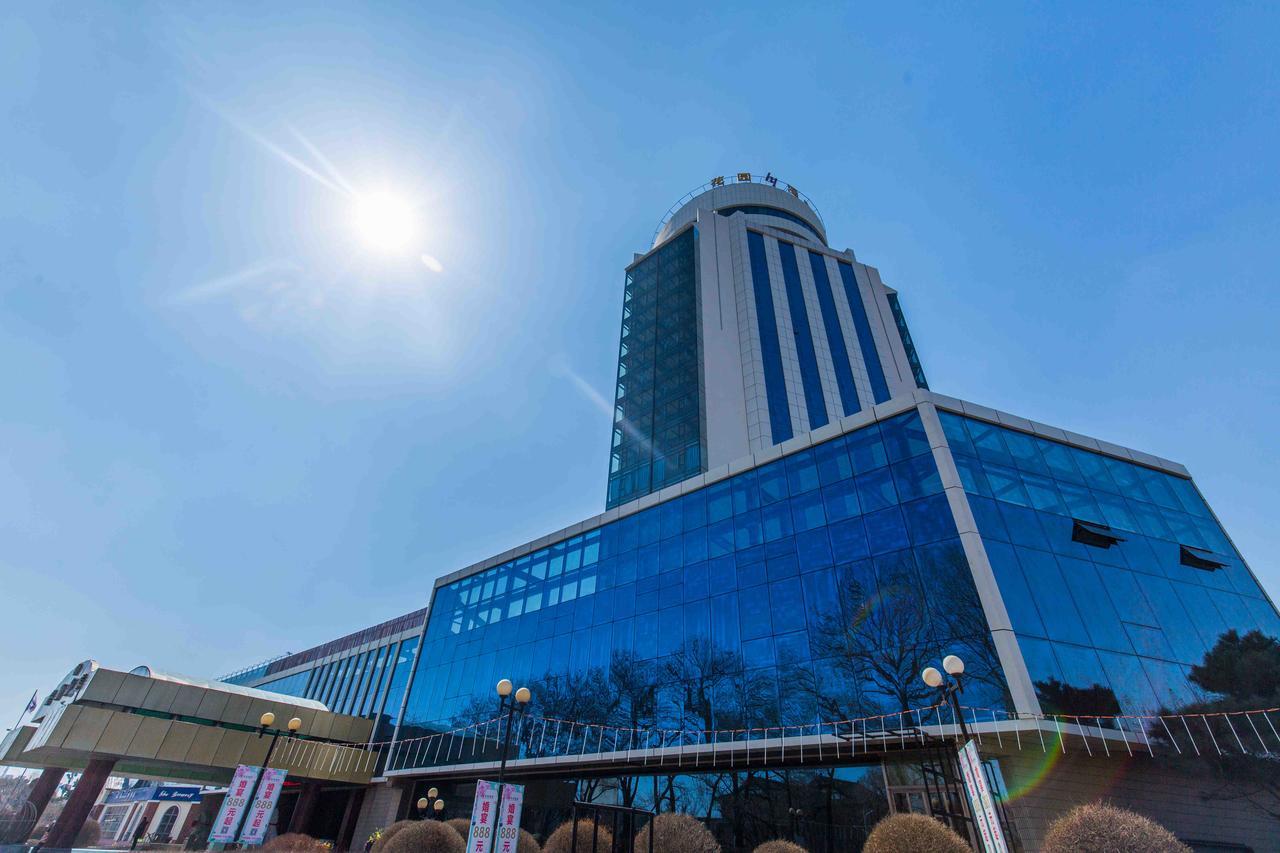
x: 354, y: 801
x: 71, y: 821
x: 304, y: 807
x: 44, y: 789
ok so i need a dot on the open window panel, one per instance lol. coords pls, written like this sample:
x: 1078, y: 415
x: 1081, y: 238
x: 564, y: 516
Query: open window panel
x: 1094, y: 534
x: 1200, y: 558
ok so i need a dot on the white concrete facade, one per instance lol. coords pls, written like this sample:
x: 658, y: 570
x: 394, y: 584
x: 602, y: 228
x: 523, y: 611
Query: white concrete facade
x: 735, y: 405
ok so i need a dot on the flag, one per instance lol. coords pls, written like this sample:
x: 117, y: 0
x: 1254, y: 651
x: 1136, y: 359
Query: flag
x: 31, y: 706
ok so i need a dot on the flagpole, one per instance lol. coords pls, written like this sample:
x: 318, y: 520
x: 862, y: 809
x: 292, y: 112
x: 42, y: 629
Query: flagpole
x: 25, y: 709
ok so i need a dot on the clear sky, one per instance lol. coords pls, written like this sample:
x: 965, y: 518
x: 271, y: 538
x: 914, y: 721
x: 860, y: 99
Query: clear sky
x: 231, y: 428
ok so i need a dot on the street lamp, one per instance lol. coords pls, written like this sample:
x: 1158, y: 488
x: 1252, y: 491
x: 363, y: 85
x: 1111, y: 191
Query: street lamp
x: 517, y: 705
x: 950, y: 688
x: 266, y: 721
x: 431, y: 800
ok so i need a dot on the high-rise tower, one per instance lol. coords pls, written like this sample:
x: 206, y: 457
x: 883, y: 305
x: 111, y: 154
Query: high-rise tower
x: 741, y: 329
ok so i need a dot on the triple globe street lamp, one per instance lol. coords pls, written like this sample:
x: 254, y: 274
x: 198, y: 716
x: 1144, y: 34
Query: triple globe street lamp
x: 432, y: 801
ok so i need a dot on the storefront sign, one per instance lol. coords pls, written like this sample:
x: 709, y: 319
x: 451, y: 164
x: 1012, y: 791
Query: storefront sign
x: 483, y: 818
x: 175, y: 793
x: 509, y: 818
x: 981, y: 803
x: 233, y: 804
x: 255, y: 826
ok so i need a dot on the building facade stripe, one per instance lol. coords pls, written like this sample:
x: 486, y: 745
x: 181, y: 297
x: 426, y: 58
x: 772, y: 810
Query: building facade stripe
x: 770, y: 351
x: 835, y: 337
x: 866, y: 341
x: 811, y: 382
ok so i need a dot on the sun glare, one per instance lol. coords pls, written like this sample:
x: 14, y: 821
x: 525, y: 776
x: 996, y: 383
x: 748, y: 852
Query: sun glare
x: 385, y: 221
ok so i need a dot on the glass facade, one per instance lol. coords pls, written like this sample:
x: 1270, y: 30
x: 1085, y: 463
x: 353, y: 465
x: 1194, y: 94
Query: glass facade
x: 810, y: 381
x: 827, y: 810
x: 1087, y: 550
x: 775, y: 385
x: 904, y: 334
x: 866, y: 342
x: 366, y: 684
x: 811, y: 589
x: 835, y: 335
x: 658, y: 432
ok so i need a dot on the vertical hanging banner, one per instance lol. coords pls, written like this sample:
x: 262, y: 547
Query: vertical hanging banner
x: 981, y: 803
x: 233, y: 804
x: 509, y: 818
x: 484, y: 815
x: 255, y: 826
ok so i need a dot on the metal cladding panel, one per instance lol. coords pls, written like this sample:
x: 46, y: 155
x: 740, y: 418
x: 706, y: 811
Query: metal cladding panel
x: 321, y: 727
x: 87, y: 729
x: 187, y: 701
x: 146, y: 743
x: 102, y: 686
x: 177, y: 743
x: 132, y: 692
x: 230, y: 751
x: 204, y: 744
x: 237, y: 709
x: 118, y: 734
x: 212, y: 705
x: 254, y: 750
x: 160, y: 696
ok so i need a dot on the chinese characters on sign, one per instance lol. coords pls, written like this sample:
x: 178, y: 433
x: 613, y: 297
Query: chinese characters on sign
x: 981, y: 803
x: 483, y: 817
x: 747, y: 177
x: 509, y: 818
x: 255, y: 828
x: 233, y: 804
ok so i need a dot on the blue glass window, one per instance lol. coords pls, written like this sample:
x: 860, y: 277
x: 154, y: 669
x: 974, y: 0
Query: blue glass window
x: 835, y: 335
x: 810, y: 381
x: 866, y: 343
x: 775, y: 386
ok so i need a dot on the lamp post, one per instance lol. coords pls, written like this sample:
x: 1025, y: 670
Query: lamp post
x: 516, y: 704
x: 266, y: 721
x: 950, y: 688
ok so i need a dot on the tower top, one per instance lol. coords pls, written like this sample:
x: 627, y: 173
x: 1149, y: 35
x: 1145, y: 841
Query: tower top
x: 750, y: 192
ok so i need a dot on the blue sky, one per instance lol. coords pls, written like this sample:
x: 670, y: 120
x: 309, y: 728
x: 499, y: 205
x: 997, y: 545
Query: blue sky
x: 231, y: 430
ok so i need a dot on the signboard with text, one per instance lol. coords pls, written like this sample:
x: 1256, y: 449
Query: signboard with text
x: 484, y: 814
x: 255, y: 826
x: 233, y: 804
x: 981, y: 803
x: 509, y: 818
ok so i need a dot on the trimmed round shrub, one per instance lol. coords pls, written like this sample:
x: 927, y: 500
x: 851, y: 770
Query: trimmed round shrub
x: 527, y: 843
x: 461, y: 824
x: 779, y: 846
x: 295, y: 841
x: 914, y: 833
x: 390, y: 832
x: 674, y: 832
x: 1095, y: 826
x: 426, y: 836
x: 89, y: 834
x: 561, y: 841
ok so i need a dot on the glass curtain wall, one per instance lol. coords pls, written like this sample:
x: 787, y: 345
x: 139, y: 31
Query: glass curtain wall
x: 658, y: 431
x: 1092, y: 556
x: 811, y: 589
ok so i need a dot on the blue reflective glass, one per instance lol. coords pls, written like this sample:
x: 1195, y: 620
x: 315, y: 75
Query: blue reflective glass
x: 773, y: 564
x: 862, y: 326
x: 835, y: 335
x: 770, y: 349
x: 1030, y: 490
x: 806, y: 354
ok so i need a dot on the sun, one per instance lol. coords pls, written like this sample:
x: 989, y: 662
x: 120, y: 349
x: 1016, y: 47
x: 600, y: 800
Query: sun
x: 385, y: 222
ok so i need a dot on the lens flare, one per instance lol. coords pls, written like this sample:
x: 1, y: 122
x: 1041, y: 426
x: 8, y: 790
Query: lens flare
x: 385, y: 221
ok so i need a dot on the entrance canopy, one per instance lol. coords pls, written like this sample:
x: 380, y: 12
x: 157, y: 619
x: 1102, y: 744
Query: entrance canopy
x: 158, y: 726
